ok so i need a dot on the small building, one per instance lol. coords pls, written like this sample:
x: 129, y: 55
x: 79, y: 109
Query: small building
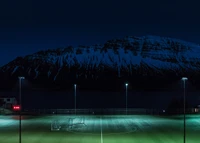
x: 7, y: 102
x: 197, y: 109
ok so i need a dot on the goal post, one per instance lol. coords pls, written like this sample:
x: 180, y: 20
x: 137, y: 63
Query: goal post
x: 55, y: 126
x: 68, y: 124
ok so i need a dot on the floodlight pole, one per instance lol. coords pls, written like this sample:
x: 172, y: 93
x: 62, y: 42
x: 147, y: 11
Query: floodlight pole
x: 75, y: 98
x: 20, y: 105
x: 184, y: 122
x: 126, y: 97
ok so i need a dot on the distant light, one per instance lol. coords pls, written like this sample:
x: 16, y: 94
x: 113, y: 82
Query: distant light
x: 74, y: 84
x: 16, y: 107
x: 126, y: 84
x: 184, y: 78
x: 163, y: 111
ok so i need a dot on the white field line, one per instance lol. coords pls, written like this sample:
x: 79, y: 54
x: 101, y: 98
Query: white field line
x: 101, y: 131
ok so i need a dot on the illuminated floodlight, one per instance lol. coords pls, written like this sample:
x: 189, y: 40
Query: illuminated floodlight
x: 126, y: 96
x: 21, y: 77
x: 19, y: 108
x: 184, y: 121
x: 184, y: 78
x: 75, y: 99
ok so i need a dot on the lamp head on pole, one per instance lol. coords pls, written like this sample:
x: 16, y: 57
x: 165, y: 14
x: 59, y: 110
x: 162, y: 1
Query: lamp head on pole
x: 126, y: 84
x: 21, y: 77
x: 74, y: 85
x: 184, y: 78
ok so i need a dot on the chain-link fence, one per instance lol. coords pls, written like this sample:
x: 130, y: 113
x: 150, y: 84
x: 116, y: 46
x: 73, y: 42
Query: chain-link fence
x: 122, y: 111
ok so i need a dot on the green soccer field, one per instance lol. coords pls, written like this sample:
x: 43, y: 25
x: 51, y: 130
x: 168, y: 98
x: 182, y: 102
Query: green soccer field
x: 100, y: 129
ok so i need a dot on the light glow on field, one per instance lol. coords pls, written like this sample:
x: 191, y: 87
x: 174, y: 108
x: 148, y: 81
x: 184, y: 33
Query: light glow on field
x: 106, y: 128
x: 4, y: 122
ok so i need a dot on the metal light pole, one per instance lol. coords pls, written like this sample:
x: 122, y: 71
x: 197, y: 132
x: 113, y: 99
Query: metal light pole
x: 184, y: 125
x: 126, y: 96
x: 20, y: 105
x: 75, y: 98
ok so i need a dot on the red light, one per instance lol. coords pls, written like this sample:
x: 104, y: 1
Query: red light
x: 16, y: 107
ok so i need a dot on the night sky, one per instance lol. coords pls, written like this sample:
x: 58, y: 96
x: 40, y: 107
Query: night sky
x: 27, y: 26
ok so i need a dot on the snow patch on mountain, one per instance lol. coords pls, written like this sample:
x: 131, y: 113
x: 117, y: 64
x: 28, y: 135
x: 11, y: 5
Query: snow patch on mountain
x: 29, y: 71
x: 14, y: 70
x: 57, y: 74
x: 128, y: 53
x: 36, y: 72
x: 49, y: 73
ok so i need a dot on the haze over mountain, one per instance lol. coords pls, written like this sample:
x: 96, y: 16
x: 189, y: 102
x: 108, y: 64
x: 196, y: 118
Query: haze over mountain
x: 145, y: 62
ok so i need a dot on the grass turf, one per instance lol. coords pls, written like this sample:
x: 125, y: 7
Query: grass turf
x: 100, y: 129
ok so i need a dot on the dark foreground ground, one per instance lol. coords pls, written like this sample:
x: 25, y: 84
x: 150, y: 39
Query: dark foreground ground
x: 100, y: 129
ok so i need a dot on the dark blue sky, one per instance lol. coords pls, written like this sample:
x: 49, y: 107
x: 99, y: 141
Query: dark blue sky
x: 27, y: 26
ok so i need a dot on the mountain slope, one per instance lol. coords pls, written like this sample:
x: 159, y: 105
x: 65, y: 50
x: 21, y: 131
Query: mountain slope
x: 133, y: 59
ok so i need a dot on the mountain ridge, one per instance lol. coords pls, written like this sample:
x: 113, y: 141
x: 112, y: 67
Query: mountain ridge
x: 122, y: 60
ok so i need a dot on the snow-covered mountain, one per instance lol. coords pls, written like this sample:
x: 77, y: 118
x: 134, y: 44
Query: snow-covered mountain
x: 132, y: 59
